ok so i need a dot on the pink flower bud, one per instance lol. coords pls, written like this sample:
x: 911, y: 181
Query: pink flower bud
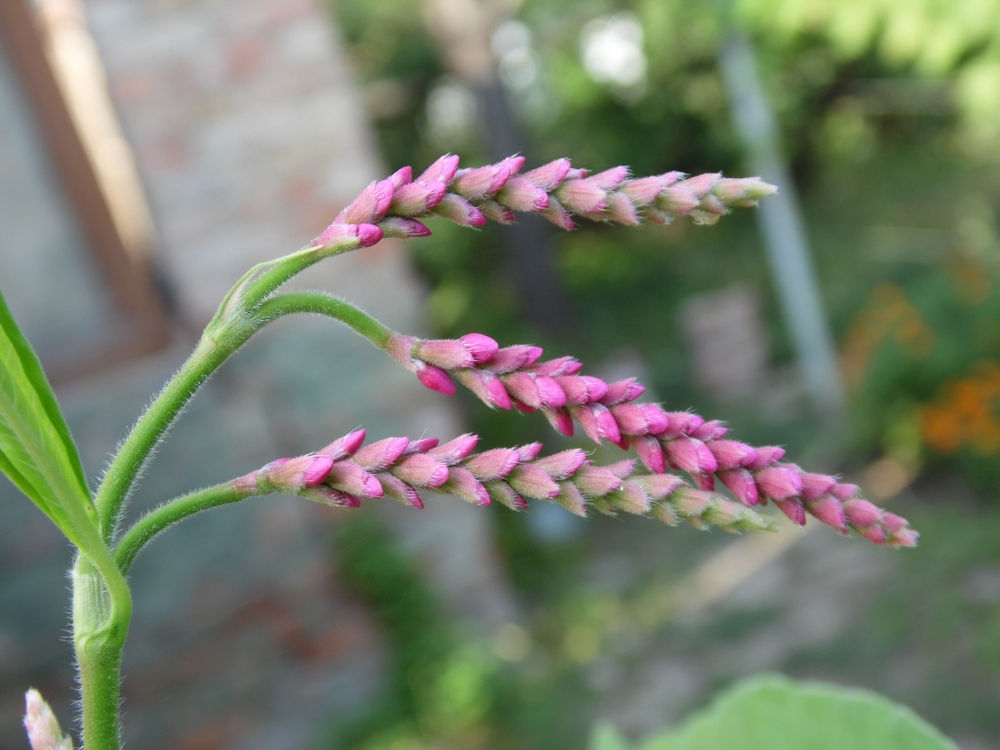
x: 41, y: 724
x: 556, y: 213
x: 644, y: 191
x: 766, y: 456
x: 597, y: 422
x: 317, y: 471
x: 522, y: 386
x: 677, y: 200
x: 650, y: 453
x: 400, y: 491
x: 455, y: 450
x: 530, y: 451
x: 511, y: 358
x: 572, y: 499
x: 657, y: 216
x: 779, y: 482
x: 845, y: 491
x: 417, y: 198
x: 690, y: 455
x: 337, y: 235
x: 442, y: 170
x: 549, y: 392
x: 730, y: 453
x: 743, y: 192
x: 682, y: 423
x: 379, y: 456
x: 329, y: 496
x: 347, y: 476
x: 641, y: 419
x: 557, y: 368
x: 400, y: 228
x: 816, y: 485
x: 435, y: 378
x: 494, y: 464
x: 562, y: 465
x: 610, y: 179
x: 520, y: 195
x: 622, y: 469
x: 422, y: 446
x: 740, y: 483
x: 369, y: 234
x: 903, y: 538
x: 670, y: 178
x: 704, y: 481
x: 596, y: 481
x: 688, y: 501
x: 496, y: 212
x: 421, y: 470
x: 486, y: 386
x: 533, y: 481
x: 577, y: 174
x: 660, y: 486
x: 400, y: 177
x: 893, y: 523
x: 861, y: 513
x: 482, y: 348
x: 513, y: 163
x: 447, y: 354
x: 632, y: 498
x: 828, y: 509
x: 371, y: 205
x: 708, y: 431
x: 792, y: 508
x: 582, y: 197
x: 560, y: 419
x: 503, y: 494
x: 621, y: 209
x: 548, y: 176
x: 460, y: 211
x: 622, y: 392
x: 462, y: 484
x: 874, y: 534
x: 666, y: 513
x: 702, y: 184
x: 484, y: 182
x: 582, y: 389
x: 345, y: 446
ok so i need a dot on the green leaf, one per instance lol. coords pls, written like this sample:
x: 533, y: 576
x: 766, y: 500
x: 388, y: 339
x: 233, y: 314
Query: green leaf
x: 37, y: 451
x: 775, y: 713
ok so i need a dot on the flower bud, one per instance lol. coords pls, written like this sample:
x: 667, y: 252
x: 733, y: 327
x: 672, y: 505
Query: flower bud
x: 816, y: 485
x: 329, y: 496
x: 792, y: 508
x: 402, y: 176
x: 742, y: 192
x: 643, y: 191
x: 337, y: 235
x: 631, y: 498
x: 766, y: 456
x: 422, y: 446
x: 486, y: 386
x: 610, y: 179
x: 43, y: 729
x: 874, y: 534
x: 460, y: 211
x: 712, y: 430
x: 417, y: 198
x: 596, y: 481
x: 681, y: 423
x: 421, y: 470
x: 677, y: 200
x: 556, y: 213
x: 463, y: 484
x: 582, y: 197
x: 343, y: 447
x: 382, y: 454
x: 548, y: 176
x: 520, y: 195
x: 582, y: 389
x: 368, y: 235
x: 730, y: 454
x: 533, y: 481
x: 690, y: 455
x: 484, y: 182
x: 455, y: 450
x: 650, y: 453
x: 400, y: 228
x: 779, y: 482
x: 659, y: 486
x: 562, y: 465
x: 597, y: 422
x: 828, y: 509
x: 861, y: 513
x: 689, y: 502
x: 622, y: 210
x: 558, y: 367
x: 442, y: 170
x: 893, y: 523
x: 492, y: 465
x: 561, y: 420
x: 511, y: 358
x: 496, y: 212
x: 504, y: 494
x: 623, y: 391
x: 845, y: 491
x: 702, y: 184
x: 903, y: 538
x: 400, y: 491
x: 371, y: 205
x: 530, y: 451
x: 348, y: 476
x: 572, y: 499
x: 740, y: 482
x: 522, y: 386
x: 435, y: 378
x: 482, y: 348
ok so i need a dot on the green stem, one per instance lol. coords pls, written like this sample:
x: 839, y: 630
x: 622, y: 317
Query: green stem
x: 324, y: 304
x: 280, y: 272
x: 173, y: 511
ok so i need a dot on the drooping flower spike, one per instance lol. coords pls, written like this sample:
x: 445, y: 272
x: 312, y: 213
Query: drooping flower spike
x: 344, y: 474
x: 515, y: 377
x: 394, y: 207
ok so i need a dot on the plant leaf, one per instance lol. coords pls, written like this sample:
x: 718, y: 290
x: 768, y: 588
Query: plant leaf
x: 775, y: 713
x: 37, y: 451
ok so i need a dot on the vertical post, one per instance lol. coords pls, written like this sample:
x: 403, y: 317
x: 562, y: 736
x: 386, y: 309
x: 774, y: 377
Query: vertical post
x: 782, y: 229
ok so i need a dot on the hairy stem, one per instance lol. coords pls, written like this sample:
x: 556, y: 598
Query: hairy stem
x: 324, y: 304
x: 177, y: 510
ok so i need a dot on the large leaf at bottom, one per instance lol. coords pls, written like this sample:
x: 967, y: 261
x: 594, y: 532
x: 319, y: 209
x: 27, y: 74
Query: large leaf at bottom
x: 37, y: 451
x: 775, y: 713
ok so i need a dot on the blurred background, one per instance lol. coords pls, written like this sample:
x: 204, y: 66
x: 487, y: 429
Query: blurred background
x: 150, y: 153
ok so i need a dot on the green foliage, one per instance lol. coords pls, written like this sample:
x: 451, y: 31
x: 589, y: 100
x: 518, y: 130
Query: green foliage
x: 774, y: 713
x: 37, y: 451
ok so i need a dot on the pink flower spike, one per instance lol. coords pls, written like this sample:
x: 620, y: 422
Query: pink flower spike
x: 482, y: 348
x: 548, y: 176
x: 484, y: 182
x: 562, y: 465
x: 421, y: 470
x: 493, y: 465
x: 455, y: 450
x: 460, y: 211
x: 556, y: 213
x: 345, y: 446
x: 582, y: 389
x: 861, y: 513
x: 730, y: 454
x: 371, y: 205
x: 382, y: 454
x: 779, y: 482
x: 650, y: 453
x: 845, y: 491
x: 623, y: 391
x: 561, y: 420
x: 701, y: 185
x: 610, y: 179
x: 766, y: 456
x: 435, y: 378
x: 442, y: 170
x: 816, y: 485
x: 400, y: 228
x: 621, y: 209
x: 582, y: 196
x: 828, y: 510
x: 369, y: 234
x: 463, y: 484
x: 530, y: 451
x: 417, y: 198
x: 644, y: 191
x: 740, y: 483
x: 521, y: 195
x: 792, y: 508
x: 402, y: 176
x: 317, y: 471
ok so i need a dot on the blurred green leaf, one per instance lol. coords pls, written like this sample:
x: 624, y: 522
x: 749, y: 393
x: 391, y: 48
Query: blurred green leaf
x: 606, y: 737
x: 775, y: 713
x: 37, y: 451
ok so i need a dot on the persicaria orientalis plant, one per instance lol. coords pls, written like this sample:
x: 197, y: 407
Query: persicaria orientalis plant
x: 682, y: 462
